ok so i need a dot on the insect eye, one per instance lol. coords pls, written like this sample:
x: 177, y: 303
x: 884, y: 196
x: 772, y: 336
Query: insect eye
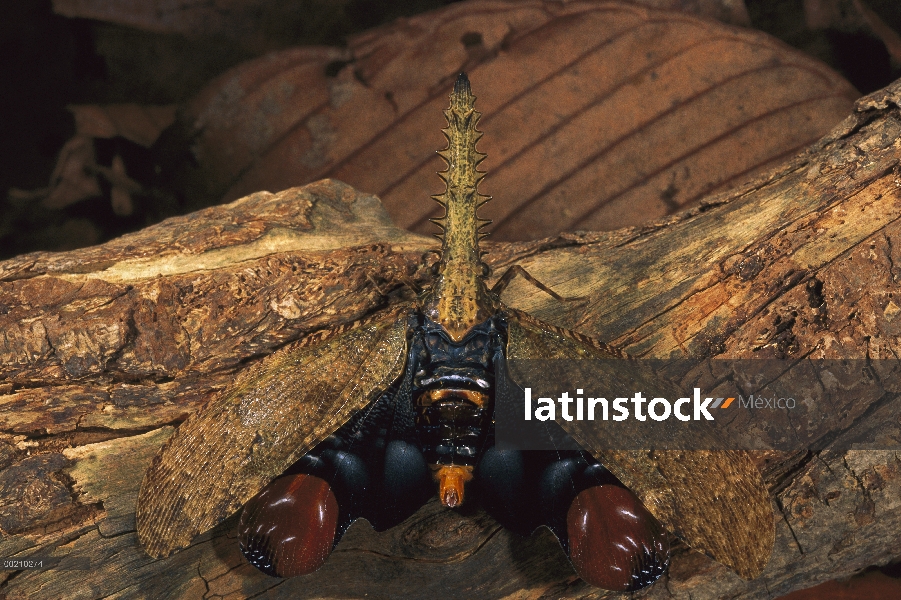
x: 486, y: 270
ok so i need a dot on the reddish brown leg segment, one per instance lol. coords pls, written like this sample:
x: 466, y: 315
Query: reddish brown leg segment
x: 288, y: 528
x: 614, y: 542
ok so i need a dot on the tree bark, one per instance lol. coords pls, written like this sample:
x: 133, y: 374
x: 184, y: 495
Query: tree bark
x: 104, y: 350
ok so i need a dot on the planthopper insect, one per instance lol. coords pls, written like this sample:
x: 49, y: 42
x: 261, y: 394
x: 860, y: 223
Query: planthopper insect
x: 368, y: 419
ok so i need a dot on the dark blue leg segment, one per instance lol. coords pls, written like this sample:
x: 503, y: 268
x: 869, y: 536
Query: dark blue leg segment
x: 504, y: 489
x: 406, y: 485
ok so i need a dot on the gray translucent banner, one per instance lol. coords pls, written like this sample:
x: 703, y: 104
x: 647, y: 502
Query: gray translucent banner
x: 765, y: 404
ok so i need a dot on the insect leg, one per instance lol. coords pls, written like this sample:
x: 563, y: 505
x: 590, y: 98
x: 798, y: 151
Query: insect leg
x: 515, y: 270
x: 612, y: 540
x: 504, y: 489
x: 406, y: 483
x: 289, y: 528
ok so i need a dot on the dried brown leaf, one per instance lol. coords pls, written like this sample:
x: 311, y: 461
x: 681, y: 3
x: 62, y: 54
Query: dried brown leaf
x: 241, y: 18
x: 73, y: 178
x: 139, y: 123
x: 598, y: 115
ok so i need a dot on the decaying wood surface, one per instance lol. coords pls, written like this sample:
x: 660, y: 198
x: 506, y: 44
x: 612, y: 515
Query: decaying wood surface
x: 105, y: 349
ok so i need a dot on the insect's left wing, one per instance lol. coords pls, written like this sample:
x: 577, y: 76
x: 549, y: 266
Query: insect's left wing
x: 715, y: 500
x: 275, y: 412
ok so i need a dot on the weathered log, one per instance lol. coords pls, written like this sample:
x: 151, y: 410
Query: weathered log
x: 105, y: 349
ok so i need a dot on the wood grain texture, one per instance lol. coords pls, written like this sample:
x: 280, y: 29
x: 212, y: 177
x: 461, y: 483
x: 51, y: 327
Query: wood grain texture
x: 104, y: 349
x: 598, y: 115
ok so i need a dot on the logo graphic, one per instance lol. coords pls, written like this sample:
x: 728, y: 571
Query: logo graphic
x: 590, y: 409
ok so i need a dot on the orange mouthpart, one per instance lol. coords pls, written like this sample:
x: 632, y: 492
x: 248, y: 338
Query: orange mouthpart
x: 451, y: 482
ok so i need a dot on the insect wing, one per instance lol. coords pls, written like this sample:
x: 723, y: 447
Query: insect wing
x: 275, y: 412
x: 715, y: 500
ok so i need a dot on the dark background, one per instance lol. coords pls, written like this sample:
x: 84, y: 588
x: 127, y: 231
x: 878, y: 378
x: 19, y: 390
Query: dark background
x: 48, y: 62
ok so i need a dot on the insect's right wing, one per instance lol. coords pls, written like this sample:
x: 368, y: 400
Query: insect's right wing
x: 715, y: 500
x: 276, y: 411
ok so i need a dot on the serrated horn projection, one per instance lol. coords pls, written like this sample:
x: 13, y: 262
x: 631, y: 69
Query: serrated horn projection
x: 459, y: 299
